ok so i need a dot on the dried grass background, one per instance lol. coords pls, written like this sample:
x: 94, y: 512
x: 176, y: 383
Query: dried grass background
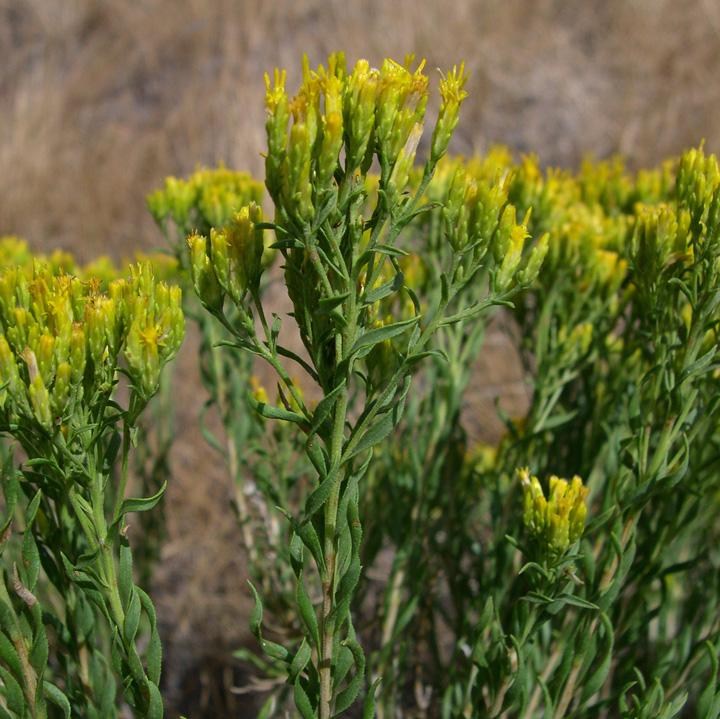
x: 100, y: 100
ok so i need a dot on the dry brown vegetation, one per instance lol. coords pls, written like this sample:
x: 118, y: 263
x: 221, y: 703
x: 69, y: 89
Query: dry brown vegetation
x: 100, y: 100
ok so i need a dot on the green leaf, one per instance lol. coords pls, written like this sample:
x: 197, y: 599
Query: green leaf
x: 575, y: 601
x: 593, y: 683
x: 387, y: 288
x: 387, y: 250
x: 436, y: 352
x: 132, y: 619
x: 125, y: 572
x: 369, y: 703
x: 366, y: 342
x: 307, y: 612
x: 327, y: 304
x: 698, y: 367
x: 142, y: 504
x: 300, y: 660
x: 302, y: 701
x: 10, y: 484
x: 87, y: 559
x: 344, y: 592
x: 555, y: 421
x: 12, y: 693
x: 41, y: 462
x: 344, y: 663
x: 318, y: 497
x: 111, y: 452
x: 324, y: 407
x: 307, y: 532
x: 155, y: 710
x: 153, y: 655
x: 708, y: 706
x: 40, y: 648
x: 57, y: 697
x: 284, y: 352
x: 270, y: 412
x: 518, y: 686
x: 317, y: 455
x: 348, y: 695
x: 328, y: 202
x: 270, y: 648
x: 9, y: 655
x: 382, y: 428
x: 33, y: 508
x: 31, y: 557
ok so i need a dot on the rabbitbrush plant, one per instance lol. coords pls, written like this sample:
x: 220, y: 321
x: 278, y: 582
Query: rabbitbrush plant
x: 342, y: 264
x: 399, y: 566
x: 71, y: 616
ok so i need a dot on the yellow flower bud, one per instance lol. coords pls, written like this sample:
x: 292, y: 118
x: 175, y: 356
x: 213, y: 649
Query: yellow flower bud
x: 44, y: 354
x: 331, y: 144
x: 359, y: 111
x: 403, y: 164
x: 8, y: 367
x: 276, y: 103
x: 237, y: 253
x: 204, y: 280
x: 78, y: 354
x: 60, y: 392
x: 40, y: 402
x: 512, y: 258
x: 298, y: 189
x: 451, y: 90
x: 527, y: 276
x: 142, y: 351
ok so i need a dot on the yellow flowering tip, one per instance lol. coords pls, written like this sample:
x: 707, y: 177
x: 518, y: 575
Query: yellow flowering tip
x: 524, y: 476
x: 204, y: 279
x: 511, y: 260
x: 275, y: 89
x: 330, y: 149
x: 452, y: 84
x: 452, y: 93
x: 557, y: 521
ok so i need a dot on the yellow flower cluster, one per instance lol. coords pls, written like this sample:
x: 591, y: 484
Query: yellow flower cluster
x: 372, y: 112
x: 61, y: 339
x: 208, y: 198
x: 231, y: 261
x: 555, y: 523
x: 15, y: 252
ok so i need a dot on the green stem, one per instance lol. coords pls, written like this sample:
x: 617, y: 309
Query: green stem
x: 327, y: 628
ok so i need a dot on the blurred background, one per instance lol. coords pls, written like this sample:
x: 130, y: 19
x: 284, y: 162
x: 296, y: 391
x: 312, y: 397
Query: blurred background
x: 101, y: 100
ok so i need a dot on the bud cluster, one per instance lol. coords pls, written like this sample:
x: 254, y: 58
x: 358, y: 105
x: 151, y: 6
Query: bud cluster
x: 370, y: 112
x: 208, y: 198
x: 660, y: 238
x: 61, y: 339
x: 15, y: 252
x: 231, y: 261
x: 554, y: 523
x: 479, y: 219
